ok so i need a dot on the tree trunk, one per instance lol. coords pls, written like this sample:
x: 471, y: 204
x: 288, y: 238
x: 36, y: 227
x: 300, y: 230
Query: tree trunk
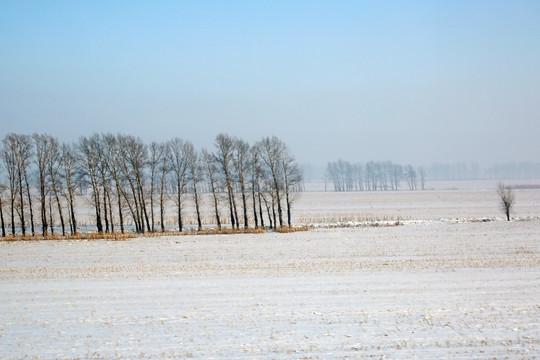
x: 105, y: 208
x: 162, y: 204
x: 29, y: 203
x: 244, y: 206
x: 72, y: 211
x: 232, y: 211
x: 196, y: 195
x: 179, y: 203
x: 21, y: 215
x: 59, y: 209
x: 51, y: 222
x: 2, y: 219
x: 261, y: 210
x: 111, y: 219
x: 254, y: 200
x: 13, y: 216
x: 288, y: 209
x: 120, y: 212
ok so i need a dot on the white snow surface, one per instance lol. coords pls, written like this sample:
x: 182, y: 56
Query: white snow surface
x: 427, y: 290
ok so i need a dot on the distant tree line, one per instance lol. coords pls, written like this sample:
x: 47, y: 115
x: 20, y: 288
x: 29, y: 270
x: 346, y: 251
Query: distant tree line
x: 386, y: 175
x: 373, y: 176
x: 129, y: 182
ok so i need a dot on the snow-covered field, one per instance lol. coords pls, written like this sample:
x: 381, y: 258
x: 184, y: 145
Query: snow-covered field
x: 429, y: 289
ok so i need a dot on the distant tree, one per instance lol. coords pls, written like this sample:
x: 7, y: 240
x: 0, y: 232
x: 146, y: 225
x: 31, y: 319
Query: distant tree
x: 422, y: 174
x: 410, y: 173
x: 506, y: 199
x: 397, y: 174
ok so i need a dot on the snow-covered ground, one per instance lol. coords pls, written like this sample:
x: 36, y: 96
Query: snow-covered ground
x: 430, y: 290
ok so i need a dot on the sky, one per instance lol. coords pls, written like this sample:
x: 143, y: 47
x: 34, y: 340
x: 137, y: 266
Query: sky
x: 408, y: 81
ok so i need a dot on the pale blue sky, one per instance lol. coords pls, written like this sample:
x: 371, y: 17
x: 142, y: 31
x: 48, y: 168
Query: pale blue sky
x: 408, y: 81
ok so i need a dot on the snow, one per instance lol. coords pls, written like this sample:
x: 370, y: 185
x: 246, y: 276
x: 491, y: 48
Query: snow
x: 427, y: 289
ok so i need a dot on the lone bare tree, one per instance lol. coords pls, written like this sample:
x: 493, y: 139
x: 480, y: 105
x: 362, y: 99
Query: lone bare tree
x: 422, y: 174
x: 506, y: 199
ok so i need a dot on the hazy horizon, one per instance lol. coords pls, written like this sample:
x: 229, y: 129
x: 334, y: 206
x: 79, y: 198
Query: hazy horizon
x: 414, y: 82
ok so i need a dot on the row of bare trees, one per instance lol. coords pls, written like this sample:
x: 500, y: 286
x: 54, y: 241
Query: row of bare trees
x: 129, y: 183
x: 374, y: 175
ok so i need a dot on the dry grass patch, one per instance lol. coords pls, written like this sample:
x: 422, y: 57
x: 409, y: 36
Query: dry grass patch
x: 158, y: 233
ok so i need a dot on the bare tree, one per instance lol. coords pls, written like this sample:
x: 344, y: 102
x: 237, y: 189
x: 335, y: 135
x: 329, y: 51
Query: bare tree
x: 10, y: 164
x: 292, y: 179
x: 223, y: 157
x: 18, y: 152
x: 54, y: 163
x: 397, y: 174
x: 164, y: 170
x: 241, y: 165
x: 195, y: 175
x: 410, y: 173
x: 26, y: 158
x: 134, y: 157
x: 114, y: 164
x: 179, y: 170
x: 88, y: 149
x: 256, y: 172
x: 102, y: 165
x: 157, y: 151
x: 69, y: 164
x: 422, y: 174
x: 506, y: 199
x: 42, y: 145
x: 272, y: 153
x: 210, y: 172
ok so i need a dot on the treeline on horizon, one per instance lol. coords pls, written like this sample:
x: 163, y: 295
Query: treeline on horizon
x: 386, y: 175
x: 130, y: 181
x: 373, y: 176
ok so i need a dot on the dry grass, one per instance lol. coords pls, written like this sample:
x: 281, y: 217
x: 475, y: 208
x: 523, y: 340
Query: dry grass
x: 91, y: 235
x: 80, y: 236
x: 291, y: 229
